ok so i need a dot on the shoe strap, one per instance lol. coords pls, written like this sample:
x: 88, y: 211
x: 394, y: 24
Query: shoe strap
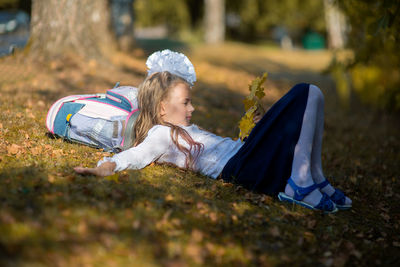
x: 301, y: 192
x: 326, y: 203
x: 338, y: 197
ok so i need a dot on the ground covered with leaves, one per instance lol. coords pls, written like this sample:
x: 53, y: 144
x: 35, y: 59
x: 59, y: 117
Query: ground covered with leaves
x: 50, y: 216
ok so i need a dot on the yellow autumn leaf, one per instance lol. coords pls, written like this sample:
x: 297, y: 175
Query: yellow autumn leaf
x: 246, y: 124
x: 256, y: 88
x: 251, y: 103
x: 260, y: 94
x: 248, y: 103
x: 253, y: 89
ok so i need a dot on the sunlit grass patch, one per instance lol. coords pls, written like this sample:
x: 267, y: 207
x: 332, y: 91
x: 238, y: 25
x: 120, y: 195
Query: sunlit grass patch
x: 163, y: 215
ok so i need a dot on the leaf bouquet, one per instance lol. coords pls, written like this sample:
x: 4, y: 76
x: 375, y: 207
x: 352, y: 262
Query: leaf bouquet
x: 252, y: 103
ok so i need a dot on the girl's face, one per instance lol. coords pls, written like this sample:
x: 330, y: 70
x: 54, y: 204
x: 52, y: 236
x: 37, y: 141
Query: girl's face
x: 177, y: 108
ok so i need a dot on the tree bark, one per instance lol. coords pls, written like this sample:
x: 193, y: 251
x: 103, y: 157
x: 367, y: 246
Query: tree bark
x: 335, y: 25
x: 78, y: 27
x: 122, y: 19
x: 214, y: 16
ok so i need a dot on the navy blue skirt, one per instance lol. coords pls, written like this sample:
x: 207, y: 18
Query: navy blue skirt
x: 264, y: 162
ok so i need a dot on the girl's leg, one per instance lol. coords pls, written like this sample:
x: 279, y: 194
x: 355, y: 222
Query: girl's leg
x: 316, y: 164
x: 301, y: 166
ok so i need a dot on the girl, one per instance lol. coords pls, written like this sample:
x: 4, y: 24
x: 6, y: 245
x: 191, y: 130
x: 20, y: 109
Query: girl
x: 282, y: 153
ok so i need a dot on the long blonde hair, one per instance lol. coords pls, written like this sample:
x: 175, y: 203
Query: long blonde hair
x: 154, y: 89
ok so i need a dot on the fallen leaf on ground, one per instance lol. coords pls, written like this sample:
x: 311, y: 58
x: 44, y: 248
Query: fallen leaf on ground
x: 35, y: 151
x: 50, y: 178
x: 310, y: 237
x: 197, y: 235
x: 213, y: 216
x: 57, y: 152
x: 13, y: 149
x: 311, y: 224
x: 40, y: 103
x: 169, y: 197
x: 274, y: 231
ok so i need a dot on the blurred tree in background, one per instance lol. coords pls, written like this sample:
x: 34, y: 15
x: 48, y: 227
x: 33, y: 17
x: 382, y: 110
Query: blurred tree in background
x: 246, y: 20
x: 249, y: 20
x: 335, y: 24
x: 373, y: 30
x: 374, y: 37
x: 214, y: 21
x: 77, y: 27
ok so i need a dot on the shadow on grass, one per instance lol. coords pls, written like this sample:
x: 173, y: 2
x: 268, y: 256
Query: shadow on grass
x: 166, y: 213
x: 217, y: 109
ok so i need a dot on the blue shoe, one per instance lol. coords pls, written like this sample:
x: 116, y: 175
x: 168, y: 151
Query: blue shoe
x: 338, y: 197
x: 326, y: 204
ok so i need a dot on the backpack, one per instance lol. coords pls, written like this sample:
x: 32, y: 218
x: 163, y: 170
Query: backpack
x: 97, y: 120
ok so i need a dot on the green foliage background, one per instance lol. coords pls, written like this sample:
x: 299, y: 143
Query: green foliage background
x: 8, y: 3
x: 258, y: 16
x: 374, y: 38
x: 173, y: 13
x: 374, y: 32
x: 16, y: 4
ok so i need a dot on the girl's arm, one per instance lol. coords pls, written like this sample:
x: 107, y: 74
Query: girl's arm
x: 154, y: 145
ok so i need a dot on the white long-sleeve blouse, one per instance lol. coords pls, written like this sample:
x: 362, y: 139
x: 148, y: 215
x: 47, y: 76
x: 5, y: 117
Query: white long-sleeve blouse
x: 158, y: 147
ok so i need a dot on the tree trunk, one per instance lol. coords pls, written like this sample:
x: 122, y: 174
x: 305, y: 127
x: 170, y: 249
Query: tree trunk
x: 335, y: 24
x: 77, y: 27
x: 214, y: 16
x: 122, y: 19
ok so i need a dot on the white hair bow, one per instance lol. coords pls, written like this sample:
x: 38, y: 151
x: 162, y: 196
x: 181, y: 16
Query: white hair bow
x: 173, y: 62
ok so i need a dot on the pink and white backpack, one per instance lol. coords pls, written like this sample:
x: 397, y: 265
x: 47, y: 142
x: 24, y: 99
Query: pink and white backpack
x: 98, y: 120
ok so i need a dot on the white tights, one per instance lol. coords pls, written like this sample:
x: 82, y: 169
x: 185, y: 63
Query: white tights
x: 307, y: 166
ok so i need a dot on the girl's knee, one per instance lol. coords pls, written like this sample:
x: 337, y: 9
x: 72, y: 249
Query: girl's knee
x: 316, y: 93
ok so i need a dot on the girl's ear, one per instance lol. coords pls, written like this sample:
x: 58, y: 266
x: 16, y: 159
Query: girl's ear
x: 162, y: 108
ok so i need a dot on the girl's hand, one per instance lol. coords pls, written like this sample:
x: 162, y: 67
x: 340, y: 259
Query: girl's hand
x: 258, y: 114
x: 105, y: 169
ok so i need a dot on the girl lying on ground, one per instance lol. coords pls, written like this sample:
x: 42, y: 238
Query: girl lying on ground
x: 281, y: 156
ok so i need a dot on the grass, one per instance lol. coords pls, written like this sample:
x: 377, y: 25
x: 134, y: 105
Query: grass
x: 162, y: 215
